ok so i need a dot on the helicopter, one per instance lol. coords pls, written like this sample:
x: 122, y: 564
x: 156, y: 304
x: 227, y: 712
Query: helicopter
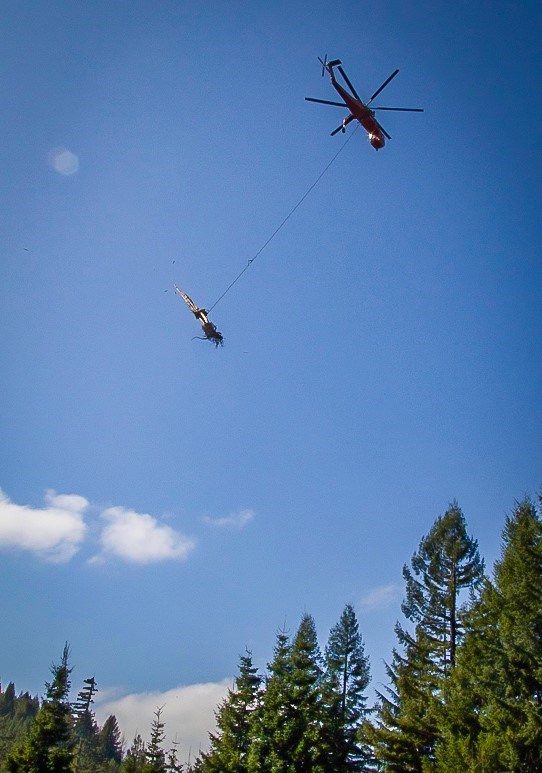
x: 359, y: 110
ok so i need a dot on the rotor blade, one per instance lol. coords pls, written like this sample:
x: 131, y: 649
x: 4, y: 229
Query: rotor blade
x: 325, y: 102
x: 401, y: 109
x: 338, y: 129
x: 377, y: 92
x: 383, y: 130
x: 346, y: 80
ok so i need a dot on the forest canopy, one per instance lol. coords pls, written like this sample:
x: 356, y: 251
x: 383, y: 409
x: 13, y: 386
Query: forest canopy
x: 464, y: 688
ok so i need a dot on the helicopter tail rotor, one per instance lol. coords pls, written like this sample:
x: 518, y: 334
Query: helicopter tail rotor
x: 326, y: 65
x: 323, y: 62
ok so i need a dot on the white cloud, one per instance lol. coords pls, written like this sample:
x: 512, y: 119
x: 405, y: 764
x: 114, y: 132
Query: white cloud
x: 233, y: 521
x: 139, y: 538
x: 57, y: 531
x: 54, y: 532
x: 188, y: 714
x: 380, y: 598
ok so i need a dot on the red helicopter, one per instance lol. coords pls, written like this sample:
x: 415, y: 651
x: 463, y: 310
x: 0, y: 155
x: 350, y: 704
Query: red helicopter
x: 358, y: 109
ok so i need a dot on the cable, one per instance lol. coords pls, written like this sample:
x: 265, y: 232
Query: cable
x: 288, y: 216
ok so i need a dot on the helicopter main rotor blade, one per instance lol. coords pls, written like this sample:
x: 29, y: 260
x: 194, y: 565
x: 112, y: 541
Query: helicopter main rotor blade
x: 383, y: 130
x: 325, y: 102
x: 346, y: 80
x: 377, y: 92
x: 401, y: 109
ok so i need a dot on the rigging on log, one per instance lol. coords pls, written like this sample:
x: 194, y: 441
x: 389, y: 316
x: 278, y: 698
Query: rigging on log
x: 209, y: 329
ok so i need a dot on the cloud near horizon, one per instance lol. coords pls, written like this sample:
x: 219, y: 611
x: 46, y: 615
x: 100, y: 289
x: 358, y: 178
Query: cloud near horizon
x: 233, y: 521
x: 139, y: 538
x: 54, y: 533
x: 188, y: 714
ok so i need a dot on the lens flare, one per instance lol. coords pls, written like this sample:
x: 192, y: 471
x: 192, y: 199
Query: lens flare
x: 63, y: 161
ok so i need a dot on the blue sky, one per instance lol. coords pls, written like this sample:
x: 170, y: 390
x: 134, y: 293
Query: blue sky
x: 166, y: 504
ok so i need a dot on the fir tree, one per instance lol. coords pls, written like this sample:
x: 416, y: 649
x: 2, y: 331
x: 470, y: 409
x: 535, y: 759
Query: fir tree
x: 49, y: 746
x: 346, y: 679
x: 156, y: 756
x: 268, y: 733
x: 7, y: 701
x: 493, y: 711
x: 16, y: 716
x: 110, y: 739
x: 136, y: 757
x: 230, y: 746
x: 288, y: 730
x: 7, y: 712
x: 172, y: 764
x: 87, y: 755
x: 447, y: 562
x: 307, y: 721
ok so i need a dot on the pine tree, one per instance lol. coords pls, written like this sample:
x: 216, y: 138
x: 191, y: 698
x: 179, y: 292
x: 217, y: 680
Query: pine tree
x: 447, y: 563
x: 346, y: 679
x: 230, y: 746
x: 49, y: 746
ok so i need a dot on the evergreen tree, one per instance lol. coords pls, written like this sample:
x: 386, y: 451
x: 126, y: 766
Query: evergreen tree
x: 26, y: 707
x: 156, y: 756
x: 87, y: 756
x: 110, y: 739
x: 49, y: 746
x: 307, y: 721
x: 7, y: 712
x: 288, y: 730
x: 196, y: 767
x: 7, y: 701
x: 447, y: 562
x: 172, y: 764
x: 230, y: 746
x: 462, y: 746
x: 136, y: 757
x: 268, y: 735
x: 493, y: 711
x: 16, y: 716
x: 346, y: 679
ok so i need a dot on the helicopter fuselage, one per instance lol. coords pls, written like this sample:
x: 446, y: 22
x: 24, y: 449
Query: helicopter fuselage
x: 361, y: 113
